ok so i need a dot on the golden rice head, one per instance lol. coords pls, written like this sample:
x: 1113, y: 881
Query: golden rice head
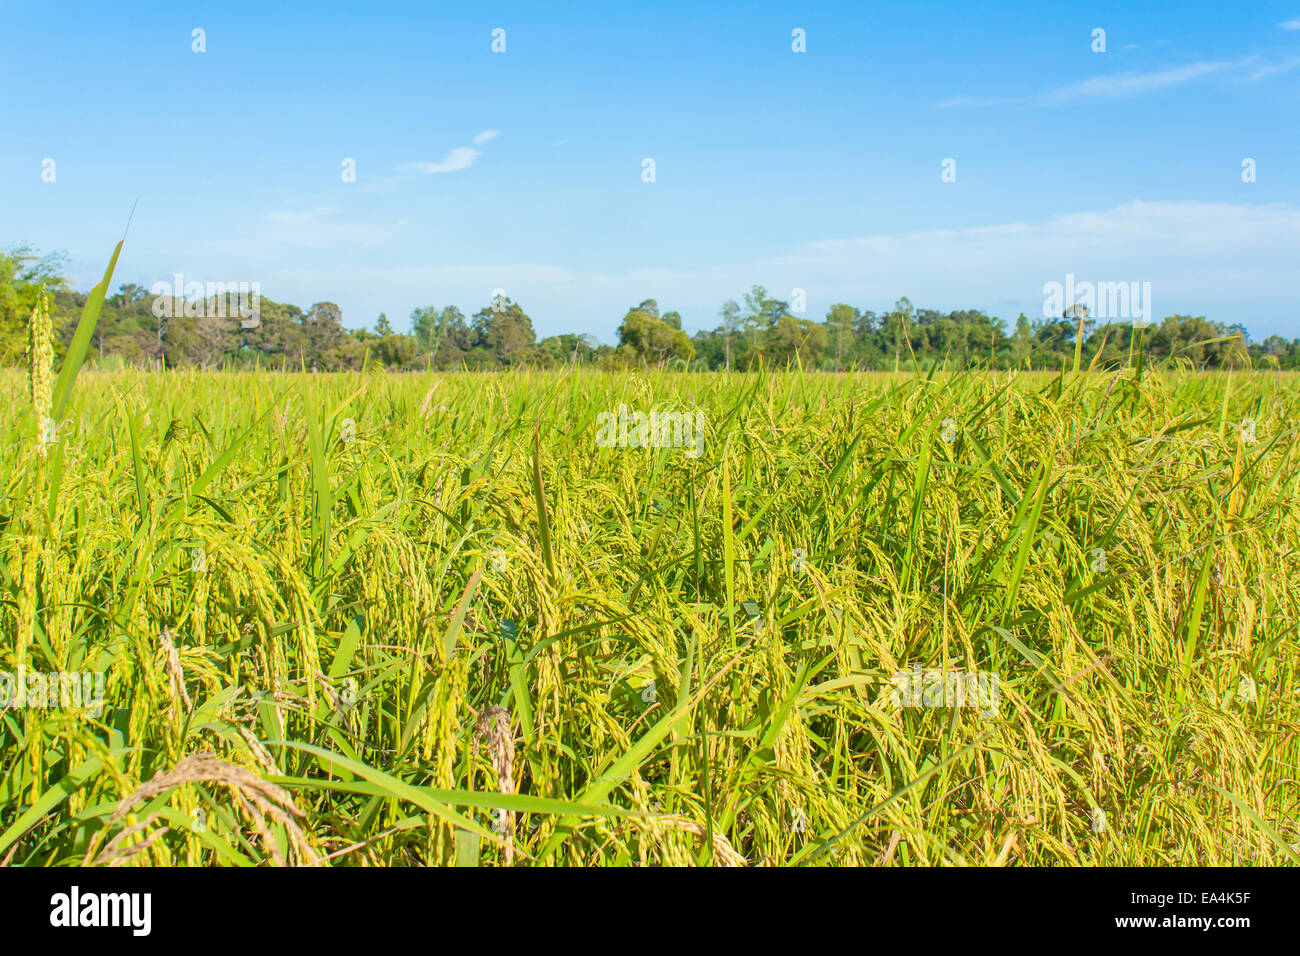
x: 40, y: 364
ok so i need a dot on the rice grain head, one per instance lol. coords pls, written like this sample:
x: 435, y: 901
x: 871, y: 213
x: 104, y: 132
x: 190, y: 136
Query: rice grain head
x: 40, y: 365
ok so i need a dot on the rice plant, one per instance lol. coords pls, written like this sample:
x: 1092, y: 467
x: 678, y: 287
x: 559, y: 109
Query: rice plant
x: 373, y: 619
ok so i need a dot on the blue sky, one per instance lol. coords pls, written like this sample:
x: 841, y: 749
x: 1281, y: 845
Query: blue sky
x: 522, y: 170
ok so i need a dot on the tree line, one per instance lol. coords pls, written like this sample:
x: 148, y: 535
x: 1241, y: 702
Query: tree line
x: 759, y: 330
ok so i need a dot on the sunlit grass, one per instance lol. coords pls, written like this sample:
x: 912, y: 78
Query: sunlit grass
x: 328, y: 582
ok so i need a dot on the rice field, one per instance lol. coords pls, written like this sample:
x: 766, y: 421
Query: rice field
x: 859, y: 619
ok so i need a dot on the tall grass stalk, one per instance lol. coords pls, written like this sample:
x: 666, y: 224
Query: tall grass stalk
x: 326, y: 583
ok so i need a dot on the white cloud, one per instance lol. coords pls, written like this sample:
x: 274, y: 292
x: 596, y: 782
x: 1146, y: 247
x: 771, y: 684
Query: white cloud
x: 974, y: 102
x: 462, y: 157
x: 278, y: 236
x: 1290, y: 24
x: 319, y: 227
x: 1131, y: 84
x: 1272, y: 69
x: 1187, y: 250
x: 1229, y: 261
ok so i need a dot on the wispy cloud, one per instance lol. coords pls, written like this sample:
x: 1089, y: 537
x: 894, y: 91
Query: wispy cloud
x: 320, y: 227
x: 462, y: 157
x: 1272, y: 69
x: 1290, y: 24
x: 277, y: 234
x: 975, y: 102
x: 1131, y: 84
x: 1227, y: 260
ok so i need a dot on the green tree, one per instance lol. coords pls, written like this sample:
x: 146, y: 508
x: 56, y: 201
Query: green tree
x: 793, y: 340
x: 323, y: 333
x: 1022, y: 341
x: 730, y: 314
x: 505, y: 330
x: 22, y: 275
x: 569, y: 348
x: 441, y: 334
x: 840, y: 321
x: 648, y: 340
x: 899, y: 325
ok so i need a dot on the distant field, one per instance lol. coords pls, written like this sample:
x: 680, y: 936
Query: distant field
x: 835, y: 619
